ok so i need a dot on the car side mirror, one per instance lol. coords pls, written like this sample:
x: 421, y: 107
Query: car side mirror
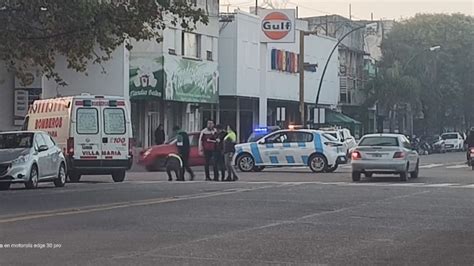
x: 42, y: 148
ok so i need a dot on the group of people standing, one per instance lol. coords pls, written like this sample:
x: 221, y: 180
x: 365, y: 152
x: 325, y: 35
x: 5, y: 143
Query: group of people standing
x: 216, y: 144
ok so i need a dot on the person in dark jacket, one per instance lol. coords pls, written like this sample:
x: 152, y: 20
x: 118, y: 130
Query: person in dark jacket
x: 183, y: 149
x: 219, y: 154
x: 470, y: 143
x: 207, y: 148
x: 229, y: 149
x: 160, y: 135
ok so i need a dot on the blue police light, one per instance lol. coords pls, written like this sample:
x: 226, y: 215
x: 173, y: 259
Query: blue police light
x: 261, y: 130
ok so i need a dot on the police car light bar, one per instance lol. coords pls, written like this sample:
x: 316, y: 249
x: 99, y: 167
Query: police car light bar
x: 261, y: 130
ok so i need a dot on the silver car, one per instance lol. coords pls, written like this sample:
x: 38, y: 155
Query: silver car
x: 385, y: 154
x: 30, y: 157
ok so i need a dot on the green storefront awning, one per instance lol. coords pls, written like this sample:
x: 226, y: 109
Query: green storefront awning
x: 335, y: 118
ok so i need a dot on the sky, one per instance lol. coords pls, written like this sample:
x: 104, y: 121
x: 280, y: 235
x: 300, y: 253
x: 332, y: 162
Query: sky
x: 362, y: 9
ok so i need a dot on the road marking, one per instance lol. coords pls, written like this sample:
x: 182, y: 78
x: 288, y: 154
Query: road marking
x: 442, y: 185
x: 457, y: 166
x: 120, y: 205
x: 428, y: 166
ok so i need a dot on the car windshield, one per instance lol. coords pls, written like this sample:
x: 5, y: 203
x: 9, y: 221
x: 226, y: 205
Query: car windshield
x: 330, y: 136
x: 171, y: 140
x: 379, y: 141
x: 16, y: 141
x: 255, y: 137
x: 449, y: 136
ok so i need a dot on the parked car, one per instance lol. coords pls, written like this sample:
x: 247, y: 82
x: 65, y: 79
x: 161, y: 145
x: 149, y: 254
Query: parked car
x: 154, y: 158
x: 30, y: 157
x: 437, y: 144
x: 305, y: 147
x: 385, y: 154
x: 453, y: 141
x: 344, y: 136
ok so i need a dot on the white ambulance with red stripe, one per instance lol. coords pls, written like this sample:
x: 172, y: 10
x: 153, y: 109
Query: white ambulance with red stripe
x: 94, y: 132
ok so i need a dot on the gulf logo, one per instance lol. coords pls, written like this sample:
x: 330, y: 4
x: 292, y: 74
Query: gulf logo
x: 276, y: 25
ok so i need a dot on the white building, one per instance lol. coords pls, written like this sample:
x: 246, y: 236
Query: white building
x: 253, y: 83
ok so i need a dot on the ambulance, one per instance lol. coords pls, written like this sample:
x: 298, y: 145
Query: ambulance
x: 94, y: 132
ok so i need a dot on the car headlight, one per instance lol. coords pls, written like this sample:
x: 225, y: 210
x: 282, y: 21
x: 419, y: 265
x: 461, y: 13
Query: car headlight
x: 146, y: 153
x: 21, y: 159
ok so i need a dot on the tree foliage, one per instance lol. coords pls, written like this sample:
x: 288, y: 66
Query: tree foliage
x: 35, y: 32
x: 445, y: 93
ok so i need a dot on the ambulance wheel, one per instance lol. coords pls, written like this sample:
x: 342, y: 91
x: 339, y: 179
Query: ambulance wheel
x: 118, y: 176
x: 317, y: 163
x: 245, y: 163
x: 74, y: 177
x: 258, y: 168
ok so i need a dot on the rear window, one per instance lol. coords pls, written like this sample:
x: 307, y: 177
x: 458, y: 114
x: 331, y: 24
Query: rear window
x: 379, y: 141
x: 449, y: 136
x: 87, y: 121
x: 114, y: 121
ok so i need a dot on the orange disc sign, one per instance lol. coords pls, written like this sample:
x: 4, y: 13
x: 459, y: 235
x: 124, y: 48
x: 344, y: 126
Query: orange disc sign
x: 276, y: 25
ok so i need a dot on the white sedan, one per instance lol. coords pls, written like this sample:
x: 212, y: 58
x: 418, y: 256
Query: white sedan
x: 385, y: 154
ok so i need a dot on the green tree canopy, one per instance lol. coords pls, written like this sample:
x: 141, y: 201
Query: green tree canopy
x: 446, y: 87
x: 34, y: 32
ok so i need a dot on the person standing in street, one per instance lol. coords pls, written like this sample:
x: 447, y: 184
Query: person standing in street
x: 229, y: 149
x: 183, y: 150
x: 160, y: 135
x: 207, y: 148
x: 219, y: 154
x: 469, y: 144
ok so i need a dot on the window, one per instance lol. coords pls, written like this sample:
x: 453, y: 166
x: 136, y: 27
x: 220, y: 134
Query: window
x: 277, y: 138
x: 379, y: 141
x: 16, y: 140
x: 39, y: 141
x: 50, y: 142
x: 300, y: 137
x: 191, y: 45
x: 114, y: 121
x: 209, y: 55
x: 87, y: 121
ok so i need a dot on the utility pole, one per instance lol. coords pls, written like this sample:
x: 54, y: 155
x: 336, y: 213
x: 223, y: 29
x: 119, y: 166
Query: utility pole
x: 301, y: 72
x: 256, y: 7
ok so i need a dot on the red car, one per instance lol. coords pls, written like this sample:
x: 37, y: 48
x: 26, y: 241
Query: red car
x: 154, y: 158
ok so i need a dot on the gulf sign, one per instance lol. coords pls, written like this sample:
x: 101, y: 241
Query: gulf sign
x: 278, y: 25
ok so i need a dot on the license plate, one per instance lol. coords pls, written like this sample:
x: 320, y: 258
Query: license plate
x: 377, y: 155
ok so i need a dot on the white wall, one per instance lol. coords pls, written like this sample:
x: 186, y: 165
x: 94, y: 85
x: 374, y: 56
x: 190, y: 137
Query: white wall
x: 114, y: 81
x: 7, y: 85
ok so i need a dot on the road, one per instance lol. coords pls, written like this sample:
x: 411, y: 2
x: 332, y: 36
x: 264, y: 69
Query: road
x: 279, y: 216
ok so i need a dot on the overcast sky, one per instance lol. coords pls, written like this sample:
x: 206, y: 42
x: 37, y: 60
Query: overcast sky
x: 362, y: 9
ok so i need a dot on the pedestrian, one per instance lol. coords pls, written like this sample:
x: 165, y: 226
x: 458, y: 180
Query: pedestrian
x: 207, y: 147
x: 229, y: 149
x: 174, y: 164
x: 219, y: 154
x: 470, y: 144
x: 160, y: 135
x: 183, y: 150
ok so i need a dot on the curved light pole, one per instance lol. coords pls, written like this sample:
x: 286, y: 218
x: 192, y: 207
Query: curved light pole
x: 329, y: 59
x: 431, y: 49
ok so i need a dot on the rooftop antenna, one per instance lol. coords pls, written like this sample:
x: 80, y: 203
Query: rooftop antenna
x: 372, y: 16
x: 350, y: 11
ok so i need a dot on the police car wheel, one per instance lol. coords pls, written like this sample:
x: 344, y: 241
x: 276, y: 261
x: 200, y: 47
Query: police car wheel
x: 317, y: 163
x: 246, y: 163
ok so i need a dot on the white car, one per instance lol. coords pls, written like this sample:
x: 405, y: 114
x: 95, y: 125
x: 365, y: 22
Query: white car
x: 30, y: 157
x: 344, y: 136
x: 453, y: 141
x: 313, y: 148
x: 385, y: 154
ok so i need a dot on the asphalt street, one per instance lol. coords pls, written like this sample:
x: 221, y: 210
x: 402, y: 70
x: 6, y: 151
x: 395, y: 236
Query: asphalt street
x: 283, y: 216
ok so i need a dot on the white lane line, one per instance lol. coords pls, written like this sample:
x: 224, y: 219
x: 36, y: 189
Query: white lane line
x: 457, y: 166
x: 442, y: 185
x: 428, y: 166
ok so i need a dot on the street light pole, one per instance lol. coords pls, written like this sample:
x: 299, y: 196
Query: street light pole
x: 301, y: 73
x: 327, y: 63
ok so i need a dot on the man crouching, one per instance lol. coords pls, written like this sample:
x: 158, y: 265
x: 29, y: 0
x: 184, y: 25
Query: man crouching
x: 174, y: 163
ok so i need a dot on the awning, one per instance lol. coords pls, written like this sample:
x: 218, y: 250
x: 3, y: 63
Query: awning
x: 335, y: 118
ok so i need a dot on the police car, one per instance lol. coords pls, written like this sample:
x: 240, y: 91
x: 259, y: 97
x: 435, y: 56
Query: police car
x: 303, y: 147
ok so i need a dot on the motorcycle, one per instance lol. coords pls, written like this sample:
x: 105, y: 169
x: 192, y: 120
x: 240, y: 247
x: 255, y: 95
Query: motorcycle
x: 470, y: 159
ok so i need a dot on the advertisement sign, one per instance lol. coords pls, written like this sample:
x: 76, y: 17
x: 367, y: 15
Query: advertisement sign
x: 188, y: 80
x: 278, y: 25
x: 146, y: 77
x: 26, y: 92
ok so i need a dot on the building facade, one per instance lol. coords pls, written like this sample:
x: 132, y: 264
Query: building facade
x: 259, y: 82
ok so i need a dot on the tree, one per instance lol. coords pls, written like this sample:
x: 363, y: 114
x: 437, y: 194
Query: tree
x: 446, y: 92
x: 33, y: 33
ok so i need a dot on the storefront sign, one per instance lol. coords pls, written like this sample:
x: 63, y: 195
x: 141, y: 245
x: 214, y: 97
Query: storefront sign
x: 284, y: 61
x: 146, y: 77
x: 188, y: 80
x: 277, y: 25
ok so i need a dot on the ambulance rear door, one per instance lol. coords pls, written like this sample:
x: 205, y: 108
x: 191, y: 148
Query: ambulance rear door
x: 115, y: 136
